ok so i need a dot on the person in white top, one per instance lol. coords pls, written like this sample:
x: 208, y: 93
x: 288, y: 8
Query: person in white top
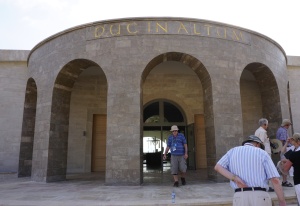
x: 261, y: 133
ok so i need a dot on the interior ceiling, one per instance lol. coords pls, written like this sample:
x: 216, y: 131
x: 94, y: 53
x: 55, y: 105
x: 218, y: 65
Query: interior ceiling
x: 91, y: 71
x: 173, y: 67
x: 247, y: 75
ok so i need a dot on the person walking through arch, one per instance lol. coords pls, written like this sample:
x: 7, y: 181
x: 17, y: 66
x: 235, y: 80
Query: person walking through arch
x: 179, y: 153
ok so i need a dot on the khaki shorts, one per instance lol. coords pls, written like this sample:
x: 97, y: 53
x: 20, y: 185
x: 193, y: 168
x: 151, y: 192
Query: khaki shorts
x: 259, y: 198
x: 178, y: 163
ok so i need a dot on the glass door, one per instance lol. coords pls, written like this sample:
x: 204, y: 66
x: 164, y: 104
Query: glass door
x: 152, y: 147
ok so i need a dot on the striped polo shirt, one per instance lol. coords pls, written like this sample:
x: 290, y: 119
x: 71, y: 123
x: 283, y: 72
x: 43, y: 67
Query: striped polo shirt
x: 252, y: 164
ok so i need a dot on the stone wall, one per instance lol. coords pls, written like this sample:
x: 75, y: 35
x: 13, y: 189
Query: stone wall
x: 13, y: 79
x: 294, y: 89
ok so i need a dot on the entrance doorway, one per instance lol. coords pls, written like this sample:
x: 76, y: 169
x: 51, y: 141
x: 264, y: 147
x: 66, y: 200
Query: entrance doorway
x: 158, y: 117
x: 99, y: 143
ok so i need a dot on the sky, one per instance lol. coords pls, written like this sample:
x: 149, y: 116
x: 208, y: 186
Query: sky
x: 25, y: 23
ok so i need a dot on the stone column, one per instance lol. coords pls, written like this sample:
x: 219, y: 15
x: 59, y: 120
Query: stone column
x: 42, y: 133
x: 124, y: 130
x: 227, y: 119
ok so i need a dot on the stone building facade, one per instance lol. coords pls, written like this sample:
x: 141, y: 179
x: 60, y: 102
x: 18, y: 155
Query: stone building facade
x: 83, y: 99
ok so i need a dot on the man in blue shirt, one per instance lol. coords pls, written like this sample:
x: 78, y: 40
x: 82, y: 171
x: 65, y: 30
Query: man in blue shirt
x: 282, y: 135
x: 282, y: 132
x: 249, y: 168
x: 179, y: 153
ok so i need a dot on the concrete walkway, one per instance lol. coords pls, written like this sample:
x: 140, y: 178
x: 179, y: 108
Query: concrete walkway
x: 89, y: 190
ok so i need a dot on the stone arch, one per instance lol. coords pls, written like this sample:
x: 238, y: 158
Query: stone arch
x: 197, y: 67
x: 260, y: 98
x: 203, y: 75
x: 28, y: 126
x: 88, y: 112
x: 59, y: 120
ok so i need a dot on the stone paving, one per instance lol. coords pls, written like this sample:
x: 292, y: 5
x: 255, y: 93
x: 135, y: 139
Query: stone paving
x: 91, y: 190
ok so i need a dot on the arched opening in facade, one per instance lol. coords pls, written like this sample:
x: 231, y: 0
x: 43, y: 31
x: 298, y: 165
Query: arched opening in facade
x: 259, y: 99
x: 87, y: 126
x: 28, y: 126
x: 177, y: 80
x: 78, y: 120
x: 159, y: 116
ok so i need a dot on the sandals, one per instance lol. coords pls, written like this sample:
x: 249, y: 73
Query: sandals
x: 183, y: 182
x: 287, y: 184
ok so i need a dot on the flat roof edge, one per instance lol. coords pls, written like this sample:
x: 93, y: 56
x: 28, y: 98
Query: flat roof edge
x: 14, y: 55
x: 293, y: 60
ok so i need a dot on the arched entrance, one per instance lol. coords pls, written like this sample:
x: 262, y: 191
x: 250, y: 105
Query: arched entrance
x: 259, y: 98
x: 159, y: 116
x: 181, y: 81
x: 79, y: 94
x: 28, y: 126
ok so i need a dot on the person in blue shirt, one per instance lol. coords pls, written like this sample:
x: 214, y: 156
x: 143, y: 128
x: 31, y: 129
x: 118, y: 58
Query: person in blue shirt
x: 282, y: 135
x: 282, y: 132
x: 179, y: 153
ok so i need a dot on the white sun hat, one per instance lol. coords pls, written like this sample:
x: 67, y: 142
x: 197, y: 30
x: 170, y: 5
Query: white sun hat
x: 174, y: 127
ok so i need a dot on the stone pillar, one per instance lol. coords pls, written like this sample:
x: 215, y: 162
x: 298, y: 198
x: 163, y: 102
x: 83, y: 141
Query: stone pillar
x: 124, y: 130
x: 41, y: 136
x: 28, y: 127
x: 227, y: 127
x: 42, y: 129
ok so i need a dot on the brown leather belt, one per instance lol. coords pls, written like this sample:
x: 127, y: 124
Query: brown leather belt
x: 249, y: 189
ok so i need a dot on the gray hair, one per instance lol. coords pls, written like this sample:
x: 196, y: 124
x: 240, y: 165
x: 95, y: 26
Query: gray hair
x: 262, y: 121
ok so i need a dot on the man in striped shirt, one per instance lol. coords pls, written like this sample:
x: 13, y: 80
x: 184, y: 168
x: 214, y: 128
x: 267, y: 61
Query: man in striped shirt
x: 249, y: 168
